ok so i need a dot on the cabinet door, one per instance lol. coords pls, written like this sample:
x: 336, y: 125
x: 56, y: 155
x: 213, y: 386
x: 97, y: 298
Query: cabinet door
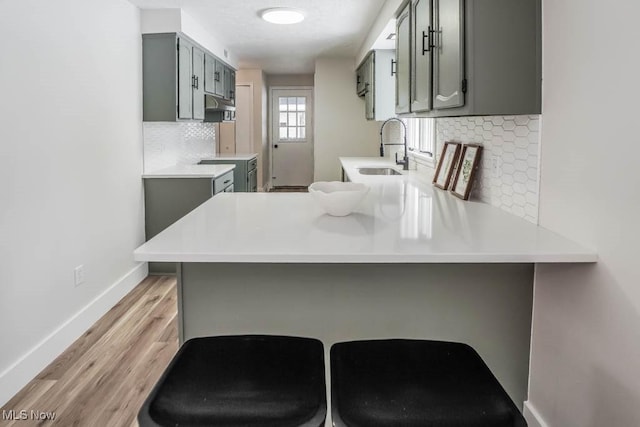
x: 198, y: 83
x: 369, y: 96
x: 448, y: 58
x: 359, y: 80
x: 185, y: 80
x: 422, y: 39
x: 403, y: 43
x: 232, y: 86
x: 227, y: 82
x: 219, y: 78
x: 209, y: 73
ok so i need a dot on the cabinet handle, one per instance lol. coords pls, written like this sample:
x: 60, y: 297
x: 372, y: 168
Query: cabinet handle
x: 227, y: 181
x: 393, y: 62
x: 197, y: 82
x: 428, y: 36
x: 432, y: 38
x: 216, y: 76
x: 193, y: 81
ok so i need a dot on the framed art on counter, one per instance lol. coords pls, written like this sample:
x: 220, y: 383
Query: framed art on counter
x: 466, y: 172
x: 446, y: 165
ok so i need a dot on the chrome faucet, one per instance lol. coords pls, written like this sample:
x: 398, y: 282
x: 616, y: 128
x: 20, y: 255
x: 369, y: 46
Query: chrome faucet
x: 405, y: 160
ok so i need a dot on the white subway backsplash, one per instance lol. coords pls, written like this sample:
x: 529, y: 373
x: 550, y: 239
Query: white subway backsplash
x: 514, y: 142
x: 168, y: 144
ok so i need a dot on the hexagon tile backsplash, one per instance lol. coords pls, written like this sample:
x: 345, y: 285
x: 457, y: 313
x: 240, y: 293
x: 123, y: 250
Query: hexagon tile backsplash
x: 168, y: 144
x: 513, y: 143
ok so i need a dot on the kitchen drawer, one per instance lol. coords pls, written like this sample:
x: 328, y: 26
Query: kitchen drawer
x: 222, y: 182
x: 253, y: 164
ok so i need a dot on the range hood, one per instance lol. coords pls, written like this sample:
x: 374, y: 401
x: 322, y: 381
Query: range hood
x: 217, y: 103
x: 218, y: 109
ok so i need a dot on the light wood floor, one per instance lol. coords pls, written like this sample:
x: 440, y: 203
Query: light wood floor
x: 104, y: 377
x: 290, y: 189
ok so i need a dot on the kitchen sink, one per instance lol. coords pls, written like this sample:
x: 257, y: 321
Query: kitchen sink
x: 378, y: 171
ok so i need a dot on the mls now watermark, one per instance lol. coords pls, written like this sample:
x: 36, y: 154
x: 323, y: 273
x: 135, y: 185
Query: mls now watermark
x: 27, y: 415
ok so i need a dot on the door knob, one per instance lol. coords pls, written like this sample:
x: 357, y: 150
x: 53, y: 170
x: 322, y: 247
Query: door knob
x: 275, y: 145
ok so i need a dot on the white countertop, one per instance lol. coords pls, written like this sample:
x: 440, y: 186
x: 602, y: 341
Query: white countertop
x: 190, y: 171
x: 232, y: 157
x: 401, y: 220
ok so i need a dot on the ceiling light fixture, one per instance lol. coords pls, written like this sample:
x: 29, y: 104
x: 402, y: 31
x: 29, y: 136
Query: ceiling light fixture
x: 282, y: 15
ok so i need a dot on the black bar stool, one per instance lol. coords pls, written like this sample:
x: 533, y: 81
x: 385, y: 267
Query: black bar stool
x: 413, y: 383
x: 249, y: 380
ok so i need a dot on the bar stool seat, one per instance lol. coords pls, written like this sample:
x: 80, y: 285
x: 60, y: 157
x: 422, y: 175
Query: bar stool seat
x: 248, y: 380
x: 413, y: 383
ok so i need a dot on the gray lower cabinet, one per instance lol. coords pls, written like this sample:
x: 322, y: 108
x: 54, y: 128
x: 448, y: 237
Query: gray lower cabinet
x: 176, y: 74
x: 166, y: 200
x: 468, y: 58
x: 245, y: 178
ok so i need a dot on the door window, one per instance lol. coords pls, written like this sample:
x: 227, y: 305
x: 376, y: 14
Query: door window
x: 292, y: 121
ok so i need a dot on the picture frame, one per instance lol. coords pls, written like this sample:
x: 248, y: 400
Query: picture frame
x: 447, y: 164
x: 466, y: 172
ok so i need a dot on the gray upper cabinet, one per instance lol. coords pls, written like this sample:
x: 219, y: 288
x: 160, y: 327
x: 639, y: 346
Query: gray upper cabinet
x: 185, y: 79
x: 229, y: 84
x: 209, y: 74
x: 421, y: 37
x: 448, y: 54
x: 403, y: 62
x: 377, y: 84
x: 469, y: 58
x: 198, y: 83
x: 176, y: 74
x: 219, y: 78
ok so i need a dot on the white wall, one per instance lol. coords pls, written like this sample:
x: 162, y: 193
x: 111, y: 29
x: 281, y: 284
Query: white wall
x: 177, y: 20
x: 340, y: 127
x: 70, y: 165
x: 387, y: 12
x: 290, y: 79
x: 585, y: 365
x: 260, y: 133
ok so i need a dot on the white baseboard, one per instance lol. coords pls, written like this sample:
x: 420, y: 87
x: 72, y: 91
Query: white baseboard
x: 533, y: 417
x: 14, y: 378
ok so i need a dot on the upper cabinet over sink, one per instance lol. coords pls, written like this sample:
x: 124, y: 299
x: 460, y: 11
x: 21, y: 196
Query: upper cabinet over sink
x: 176, y: 75
x: 375, y: 83
x: 468, y: 58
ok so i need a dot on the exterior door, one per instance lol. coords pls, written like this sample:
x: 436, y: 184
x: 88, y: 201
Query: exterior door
x: 292, y: 137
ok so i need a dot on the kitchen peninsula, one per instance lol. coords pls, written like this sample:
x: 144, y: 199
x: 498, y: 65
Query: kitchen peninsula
x: 411, y: 262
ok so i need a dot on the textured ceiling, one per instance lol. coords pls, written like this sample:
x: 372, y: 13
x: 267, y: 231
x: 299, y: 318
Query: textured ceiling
x: 331, y: 28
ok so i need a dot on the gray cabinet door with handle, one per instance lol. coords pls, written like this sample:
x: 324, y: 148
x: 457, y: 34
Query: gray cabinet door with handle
x: 185, y: 79
x: 403, y: 45
x: 448, y: 58
x: 209, y: 74
x: 422, y: 32
x: 219, y: 78
x: 197, y: 83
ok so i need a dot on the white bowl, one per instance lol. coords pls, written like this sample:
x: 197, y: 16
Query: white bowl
x: 338, y: 198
